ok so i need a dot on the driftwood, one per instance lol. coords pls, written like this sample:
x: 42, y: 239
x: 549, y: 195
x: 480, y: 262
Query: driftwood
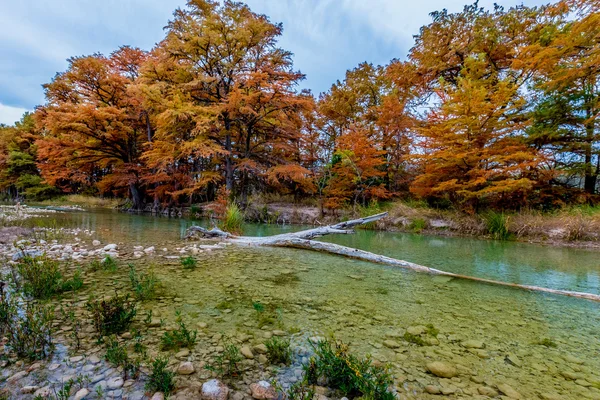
x: 303, y: 240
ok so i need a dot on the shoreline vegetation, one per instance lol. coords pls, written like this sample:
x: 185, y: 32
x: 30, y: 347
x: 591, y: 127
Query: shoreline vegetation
x: 576, y: 226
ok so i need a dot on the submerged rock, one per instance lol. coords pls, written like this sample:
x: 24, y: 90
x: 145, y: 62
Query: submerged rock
x: 508, y: 391
x: 441, y: 369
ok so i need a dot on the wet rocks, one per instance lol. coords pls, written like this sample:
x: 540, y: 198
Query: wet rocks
x: 114, y: 383
x: 247, y: 352
x: 508, y: 391
x: 442, y: 369
x: 260, y: 348
x: 81, y: 393
x: 473, y: 344
x: 186, y: 368
x: 263, y: 390
x: 487, y: 391
x: 392, y: 344
x: 17, y: 376
x: 214, y: 390
x: 110, y: 247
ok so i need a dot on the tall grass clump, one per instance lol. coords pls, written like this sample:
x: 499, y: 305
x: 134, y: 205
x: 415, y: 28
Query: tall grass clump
x: 232, y: 219
x: 497, y: 225
x: 160, y: 378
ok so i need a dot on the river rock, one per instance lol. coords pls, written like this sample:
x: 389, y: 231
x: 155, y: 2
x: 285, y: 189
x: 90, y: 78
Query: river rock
x: 508, y: 391
x: 246, y: 352
x: 183, y: 353
x: 263, y: 390
x: 81, y: 393
x: 149, y: 250
x: 260, y: 348
x: 158, y: 396
x: 110, y: 247
x: 487, y: 391
x: 214, y: 390
x: 416, y: 330
x: 17, y: 376
x: 441, y: 369
x: 473, y: 344
x: 186, y: 368
x: 96, y: 243
x: 114, y: 383
x: 392, y: 344
x: 432, y: 389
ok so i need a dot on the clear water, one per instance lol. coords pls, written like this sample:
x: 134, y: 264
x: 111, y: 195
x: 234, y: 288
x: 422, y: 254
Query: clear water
x: 365, y: 304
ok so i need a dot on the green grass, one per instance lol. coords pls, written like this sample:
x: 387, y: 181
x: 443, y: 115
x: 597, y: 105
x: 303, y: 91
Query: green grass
x: 188, y: 262
x: 232, y: 220
x: 178, y: 338
x: 160, y: 378
x: 279, y: 351
x: 144, y: 285
x: 497, y: 225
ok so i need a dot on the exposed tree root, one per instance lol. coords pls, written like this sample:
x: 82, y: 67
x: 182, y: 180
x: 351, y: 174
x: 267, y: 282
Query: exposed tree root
x: 303, y: 240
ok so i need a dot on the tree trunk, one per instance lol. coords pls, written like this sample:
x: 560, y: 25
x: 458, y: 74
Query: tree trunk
x: 303, y: 240
x: 228, y: 160
x: 136, y: 198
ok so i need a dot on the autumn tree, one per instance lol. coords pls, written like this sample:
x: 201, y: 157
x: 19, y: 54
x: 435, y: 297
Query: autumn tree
x: 226, y: 98
x: 94, y: 126
x: 567, y: 91
x: 356, y: 175
x: 19, y: 175
x: 475, y: 67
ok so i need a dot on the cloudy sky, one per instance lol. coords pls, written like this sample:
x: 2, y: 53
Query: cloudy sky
x: 327, y: 36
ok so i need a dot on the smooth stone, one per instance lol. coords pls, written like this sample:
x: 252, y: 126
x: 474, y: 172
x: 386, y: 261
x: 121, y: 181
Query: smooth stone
x: 247, y: 352
x: 76, y: 359
x: 29, y: 389
x: 183, y: 353
x: 260, y: 348
x: 186, y: 368
x: 93, y: 359
x: 508, y: 391
x: 114, y: 383
x: 442, y: 369
x: 432, y: 389
x: 81, y: 393
x: 392, y: 344
x: 473, y: 344
x: 158, y: 396
x: 17, y: 376
x: 487, y: 391
x: 96, y: 243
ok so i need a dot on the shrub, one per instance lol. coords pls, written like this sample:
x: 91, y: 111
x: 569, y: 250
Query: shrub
x: 112, y: 316
x: 160, y: 378
x: 116, y: 354
x: 188, y: 262
x: 42, y: 278
x: 233, y: 219
x: 300, y: 391
x: 144, y: 285
x: 417, y: 225
x: 226, y: 363
x: 497, y: 225
x: 353, y: 376
x: 178, y: 338
x: 279, y: 351
x: 30, y: 332
x: 108, y: 264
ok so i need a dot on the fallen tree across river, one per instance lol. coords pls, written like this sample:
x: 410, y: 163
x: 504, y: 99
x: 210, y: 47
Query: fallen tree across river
x: 304, y: 240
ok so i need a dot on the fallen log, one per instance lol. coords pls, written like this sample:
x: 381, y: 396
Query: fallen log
x: 303, y: 240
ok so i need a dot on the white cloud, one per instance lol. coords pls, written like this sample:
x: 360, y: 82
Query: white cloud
x: 9, y: 115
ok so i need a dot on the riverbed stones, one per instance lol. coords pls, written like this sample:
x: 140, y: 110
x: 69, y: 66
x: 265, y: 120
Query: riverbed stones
x: 214, y: 390
x: 81, y: 393
x: 183, y: 353
x: 432, y: 389
x: 260, y: 348
x: 186, y: 368
x: 110, y: 247
x: 247, y: 352
x: 96, y: 243
x: 487, y: 391
x: 15, y: 377
x: 416, y: 330
x: 473, y: 344
x: 442, y: 369
x: 114, y: 383
x: 263, y: 390
x: 508, y: 391
x: 158, y: 396
x: 392, y: 344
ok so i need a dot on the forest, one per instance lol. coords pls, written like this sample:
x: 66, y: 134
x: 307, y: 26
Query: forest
x: 490, y: 109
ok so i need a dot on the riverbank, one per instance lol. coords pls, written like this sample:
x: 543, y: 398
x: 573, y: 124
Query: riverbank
x: 573, y: 227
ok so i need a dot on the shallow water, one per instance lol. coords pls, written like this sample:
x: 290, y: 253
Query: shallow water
x: 365, y: 303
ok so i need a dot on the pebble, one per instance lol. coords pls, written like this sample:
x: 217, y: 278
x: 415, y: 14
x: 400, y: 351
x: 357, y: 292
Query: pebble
x: 186, y: 368
x: 247, y: 352
x: 114, y: 383
x: 260, y: 348
x: 508, y: 391
x: 81, y: 393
